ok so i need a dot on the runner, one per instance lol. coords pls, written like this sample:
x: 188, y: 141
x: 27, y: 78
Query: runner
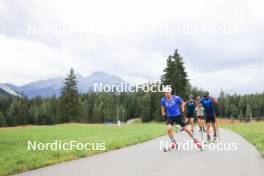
x: 200, y: 114
x: 172, y: 108
x: 210, y: 116
x: 190, y: 111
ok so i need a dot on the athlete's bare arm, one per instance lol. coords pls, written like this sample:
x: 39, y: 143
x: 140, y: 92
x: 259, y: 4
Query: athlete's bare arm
x: 183, y: 107
x: 162, y: 110
x: 215, y: 100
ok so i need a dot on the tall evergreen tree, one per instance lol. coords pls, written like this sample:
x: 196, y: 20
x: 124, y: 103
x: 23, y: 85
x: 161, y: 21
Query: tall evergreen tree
x: 70, y: 105
x: 2, y: 120
x: 175, y: 75
x: 248, y: 112
x: 241, y: 115
x: 146, y: 107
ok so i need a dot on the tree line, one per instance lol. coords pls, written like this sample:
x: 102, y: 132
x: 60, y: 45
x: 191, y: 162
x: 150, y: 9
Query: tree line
x: 109, y: 107
x: 244, y: 107
x: 87, y: 108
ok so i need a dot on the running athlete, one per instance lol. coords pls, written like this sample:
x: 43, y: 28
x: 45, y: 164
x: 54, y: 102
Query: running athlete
x: 190, y: 111
x: 210, y: 116
x: 200, y: 114
x: 172, y: 108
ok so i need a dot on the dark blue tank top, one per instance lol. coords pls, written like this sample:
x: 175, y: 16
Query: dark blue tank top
x: 208, y: 105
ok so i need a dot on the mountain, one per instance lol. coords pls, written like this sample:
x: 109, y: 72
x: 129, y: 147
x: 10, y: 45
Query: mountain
x: 50, y: 87
x: 5, y: 90
x: 44, y: 88
x: 11, y: 86
x: 87, y: 84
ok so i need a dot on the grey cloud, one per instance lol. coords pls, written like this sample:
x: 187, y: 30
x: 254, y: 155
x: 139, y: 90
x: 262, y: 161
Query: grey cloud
x: 140, y: 52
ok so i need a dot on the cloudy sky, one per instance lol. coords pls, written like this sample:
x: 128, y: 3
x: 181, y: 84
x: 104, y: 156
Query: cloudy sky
x: 221, y: 41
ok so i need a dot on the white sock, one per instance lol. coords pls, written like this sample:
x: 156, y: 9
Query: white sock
x: 172, y: 138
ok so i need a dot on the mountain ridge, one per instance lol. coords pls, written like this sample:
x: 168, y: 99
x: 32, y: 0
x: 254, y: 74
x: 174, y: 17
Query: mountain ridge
x: 52, y: 86
x: 5, y: 90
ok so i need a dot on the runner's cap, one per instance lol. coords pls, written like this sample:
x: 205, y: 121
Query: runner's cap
x: 167, y: 89
x: 206, y: 94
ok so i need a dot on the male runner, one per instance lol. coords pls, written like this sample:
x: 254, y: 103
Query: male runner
x: 210, y: 116
x: 190, y: 109
x: 170, y: 108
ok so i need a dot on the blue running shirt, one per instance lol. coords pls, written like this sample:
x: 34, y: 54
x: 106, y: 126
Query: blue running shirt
x: 172, y: 106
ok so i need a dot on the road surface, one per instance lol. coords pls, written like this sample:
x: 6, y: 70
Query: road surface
x: 147, y: 159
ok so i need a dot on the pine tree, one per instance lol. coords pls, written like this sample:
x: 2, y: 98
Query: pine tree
x: 169, y: 72
x: 248, y: 112
x: 18, y: 112
x: 2, y: 120
x: 241, y: 115
x: 70, y: 105
x: 175, y: 75
x: 146, y: 107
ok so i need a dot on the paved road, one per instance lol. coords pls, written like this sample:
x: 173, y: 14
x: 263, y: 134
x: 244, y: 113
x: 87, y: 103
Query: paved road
x: 147, y: 159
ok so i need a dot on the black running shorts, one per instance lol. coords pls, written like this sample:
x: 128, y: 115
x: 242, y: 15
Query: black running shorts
x: 210, y: 119
x: 189, y: 115
x: 176, y: 120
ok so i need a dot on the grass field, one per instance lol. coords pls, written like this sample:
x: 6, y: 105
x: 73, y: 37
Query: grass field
x: 15, y: 157
x: 253, y: 132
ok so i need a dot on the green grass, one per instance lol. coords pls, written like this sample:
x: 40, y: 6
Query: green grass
x: 253, y: 132
x: 15, y: 157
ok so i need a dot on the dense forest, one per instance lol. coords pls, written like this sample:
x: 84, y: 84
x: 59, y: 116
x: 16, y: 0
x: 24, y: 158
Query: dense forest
x: 102, y: 107
x: 245, y: 107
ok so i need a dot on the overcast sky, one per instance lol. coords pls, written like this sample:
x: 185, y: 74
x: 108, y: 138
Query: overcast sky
x: 221, y: 41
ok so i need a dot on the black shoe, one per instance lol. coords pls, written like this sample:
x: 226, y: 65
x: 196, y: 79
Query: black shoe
x: 215, y: 136
x: 214, y: 139
x: 208, y: 139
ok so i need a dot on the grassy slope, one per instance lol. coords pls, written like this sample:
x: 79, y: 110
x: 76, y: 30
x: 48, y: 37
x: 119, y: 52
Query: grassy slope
x: 253, y: 132
x: 14, y: 156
